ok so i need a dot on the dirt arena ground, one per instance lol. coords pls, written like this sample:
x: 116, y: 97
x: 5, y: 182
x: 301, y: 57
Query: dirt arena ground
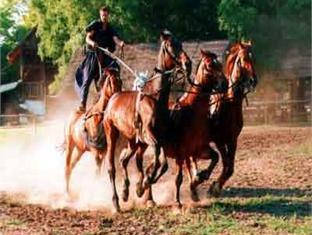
x: 269, y: 193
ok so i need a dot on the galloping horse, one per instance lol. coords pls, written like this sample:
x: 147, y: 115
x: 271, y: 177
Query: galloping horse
x: 190, y: 136
x: 227, y: 125
x: 141, y: 117
x: 85, y: 132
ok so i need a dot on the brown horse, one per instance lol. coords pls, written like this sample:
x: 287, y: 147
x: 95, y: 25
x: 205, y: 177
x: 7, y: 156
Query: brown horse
x: 190, y: 136
x: 85, y: 132
x: 228, y: 123
x: 141, y: 117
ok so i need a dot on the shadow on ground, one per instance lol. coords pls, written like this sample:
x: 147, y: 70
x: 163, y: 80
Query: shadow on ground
x: 260, y: 192
x: 275, y: 202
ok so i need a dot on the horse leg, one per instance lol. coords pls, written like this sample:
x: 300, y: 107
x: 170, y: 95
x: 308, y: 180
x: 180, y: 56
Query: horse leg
x: 98, y: 160
x: 125, y: 156
x: 149, y: 200
x: 189, y: 162
x: 111, y: 138
x: 178, y: 181
x: 214, y: 154
x: 68, y: 154
x: 70, y: 164
x: 139, y: 165
x: 163, y: 167
x: 153, y: 168
x: 227, y: 171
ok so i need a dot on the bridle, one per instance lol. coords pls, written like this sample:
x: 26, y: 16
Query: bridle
x: 172, y: 55
x: 192, y: 83
x: 240, y: 83
x: 172, y: 74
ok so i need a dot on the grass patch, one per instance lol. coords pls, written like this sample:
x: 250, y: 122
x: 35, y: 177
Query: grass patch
x: 286, y: 225
x: 9, y: 224
x: 268, y: 215
x: 304, y: 148
x: 271, y: 205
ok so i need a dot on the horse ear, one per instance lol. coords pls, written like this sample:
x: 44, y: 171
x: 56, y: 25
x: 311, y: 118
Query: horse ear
x: 246, y: 43
x: 202, y: 52
x: 165, y: 35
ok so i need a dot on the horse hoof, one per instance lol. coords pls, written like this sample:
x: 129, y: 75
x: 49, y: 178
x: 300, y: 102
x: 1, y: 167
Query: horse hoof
x: 146, y: 183
x: 116, y: 210
x: 98, y: 173
x: 150, y: 203
x: 125, y: 195
x: 139, y: 190
x: 177, y: 208
x: 214, y: 190
x: 71, y: 197
x: 194, y: 196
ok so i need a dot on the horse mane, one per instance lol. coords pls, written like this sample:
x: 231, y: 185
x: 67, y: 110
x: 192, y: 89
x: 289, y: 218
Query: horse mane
x: 197, y: 66
x: 230, y: 56
x: 160, y: 61
x: 208, y: 53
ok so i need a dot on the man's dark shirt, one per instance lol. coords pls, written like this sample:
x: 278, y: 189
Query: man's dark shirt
x: 103, y: 37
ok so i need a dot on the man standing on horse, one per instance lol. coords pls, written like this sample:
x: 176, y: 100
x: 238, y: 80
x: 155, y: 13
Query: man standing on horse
x: 99, y: 34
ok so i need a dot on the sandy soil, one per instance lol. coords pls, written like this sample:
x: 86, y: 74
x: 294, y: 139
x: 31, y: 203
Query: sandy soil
x: 273, y: 161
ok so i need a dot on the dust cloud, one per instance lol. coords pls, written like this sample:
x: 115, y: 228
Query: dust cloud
x: 32, y: 166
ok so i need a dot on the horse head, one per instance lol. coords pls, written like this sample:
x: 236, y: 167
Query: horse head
x: 112, y: 83
x: 172, y: 55
x: 240, y: 68
x: 173, y: 64
x: 209, y: 74
x: 94, y: 116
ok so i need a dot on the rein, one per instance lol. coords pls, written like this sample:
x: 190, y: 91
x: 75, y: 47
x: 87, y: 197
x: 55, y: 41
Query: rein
x: 107, y: 52
x: 159, y: 72
x: 93, y: 114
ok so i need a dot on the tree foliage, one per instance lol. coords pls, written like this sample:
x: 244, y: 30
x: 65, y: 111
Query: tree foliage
x: 275, y: 26
x: 61, y: 23
x: 10, y: 33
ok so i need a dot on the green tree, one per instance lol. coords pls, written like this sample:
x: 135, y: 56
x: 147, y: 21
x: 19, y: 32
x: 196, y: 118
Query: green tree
x: 10, y: 33
x: 61, y: 23
x: 61, y: 26
x: 188, y: 19
x: 274, y: 26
